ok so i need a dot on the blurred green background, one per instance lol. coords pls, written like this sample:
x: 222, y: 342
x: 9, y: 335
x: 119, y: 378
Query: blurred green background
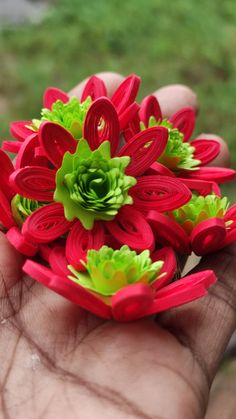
x: 191, y: 42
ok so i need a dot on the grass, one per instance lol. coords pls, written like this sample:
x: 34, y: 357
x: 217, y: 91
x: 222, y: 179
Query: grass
x: 165, y: 42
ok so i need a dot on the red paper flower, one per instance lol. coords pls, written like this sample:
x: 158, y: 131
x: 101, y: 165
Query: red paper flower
x: 203, y: 225
x: 72, y: 117
x: 96, y: 211
x: 180, y: 158
x: 42, y: 159
x: 132, y: 301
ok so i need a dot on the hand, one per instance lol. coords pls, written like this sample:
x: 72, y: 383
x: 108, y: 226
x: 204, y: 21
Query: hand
x: 58, y: 361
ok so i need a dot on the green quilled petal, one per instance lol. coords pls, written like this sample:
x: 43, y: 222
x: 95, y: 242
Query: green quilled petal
x: 91, y: 185
x: 70, y: 115
x: 200, y: 208
x: 109, y: 270
x: 177, y: 154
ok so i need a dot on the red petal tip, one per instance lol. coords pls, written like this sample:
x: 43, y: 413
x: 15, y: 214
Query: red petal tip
x: 102, y: 109
x: 150, y: 107
x: 56, y: 141
x: 126, y: 93
x: 184, y: 121
x: 21, y: 243
x: 51, y: 95
x: 95, y: 88
x: 161, y: 193
x: 144, y: 149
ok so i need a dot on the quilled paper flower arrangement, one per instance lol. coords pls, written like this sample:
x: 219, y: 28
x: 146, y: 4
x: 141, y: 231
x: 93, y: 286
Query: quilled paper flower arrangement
x: 105, y: 192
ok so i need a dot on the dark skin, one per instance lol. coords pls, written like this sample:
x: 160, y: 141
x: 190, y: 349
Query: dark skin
x: 58, y: 361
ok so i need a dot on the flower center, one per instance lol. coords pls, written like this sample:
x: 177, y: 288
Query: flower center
x: 23, y: 207
x: 109, y: 270
x: 70, y: 115
x: 91, y: 185
x: 198, y: 209
x: 178, y: 154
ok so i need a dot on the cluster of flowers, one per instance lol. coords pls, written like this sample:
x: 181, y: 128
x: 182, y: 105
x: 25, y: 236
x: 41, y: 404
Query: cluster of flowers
x: 103, y: 194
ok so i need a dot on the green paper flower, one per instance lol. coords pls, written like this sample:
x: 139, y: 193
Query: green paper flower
x: 109, y: 270
x: 178, y: 154
x: 200, y: 208
x: 70, y: 115
x: 91, y: 185
x: 23, y: 207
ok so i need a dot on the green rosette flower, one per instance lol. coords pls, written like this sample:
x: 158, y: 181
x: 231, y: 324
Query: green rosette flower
x: 200, y: 208
x: 178, y: 154
x: 70, y: 115
x: 91, y: 185
x: 108, y: 270
x: 23, y: 207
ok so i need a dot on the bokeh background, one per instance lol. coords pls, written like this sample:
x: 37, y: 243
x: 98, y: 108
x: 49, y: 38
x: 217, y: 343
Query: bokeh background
x: 60, y: 42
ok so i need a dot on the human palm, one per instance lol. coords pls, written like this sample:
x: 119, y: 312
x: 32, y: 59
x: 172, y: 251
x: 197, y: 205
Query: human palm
x: 58, y: 361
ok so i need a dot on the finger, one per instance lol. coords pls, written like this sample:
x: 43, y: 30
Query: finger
x: 223, y: 159
x: 111, y: 80
x: 174, y: 97
x: 10, y: 265
x: 207, y: 324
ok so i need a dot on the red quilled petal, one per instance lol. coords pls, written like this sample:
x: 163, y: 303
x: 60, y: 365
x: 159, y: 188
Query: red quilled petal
x: 214, y: 174
x: 130, y: 228
x: 5, y: 163
x: 161, y: 193
x: 46, y: 224
x: 11, y: 146
x: 231, y: 215
x: 203, y: 187
x: 65, y: 287
x: 150, y: 107
x: 207, y: 236
x: 39, y: 151
x: 169, y: 268
x: 95, y: 88
x: 159, y: 169
x: 38, y: 272
x: 205, y: 150
x: 169, y: 233
x: 101, y: 124
x: 132, y: 128
x: 20, y: 243
x: 51, y: 95
x: 182, y: 291
x: 128, y: 115
x: 56, y: 141
x: 26, y: 153
x: 79, y: 241
x: 126, y: 93
x: 34, y: 182
x: 144, y: 149
x: 184, y: 121
x: 131, y: 302
x: 5, y: 212
x: 19, y: 130
x: 204, y: 278
x: 58, y: 261
x: 6, y: 170
x: 80, y: 296
x: 44, y: 251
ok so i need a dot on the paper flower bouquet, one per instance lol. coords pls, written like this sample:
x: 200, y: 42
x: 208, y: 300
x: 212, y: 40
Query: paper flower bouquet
x: 105, y: 192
